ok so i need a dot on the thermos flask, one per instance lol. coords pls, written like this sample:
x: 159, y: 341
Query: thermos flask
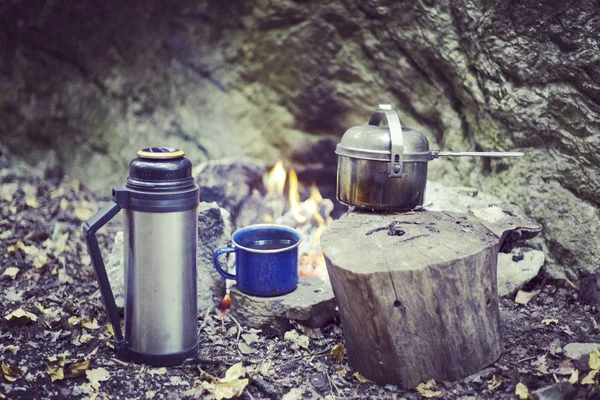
x: 160, y: 203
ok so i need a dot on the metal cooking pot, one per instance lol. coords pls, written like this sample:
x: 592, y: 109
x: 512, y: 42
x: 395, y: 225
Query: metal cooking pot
x: 384, y: 168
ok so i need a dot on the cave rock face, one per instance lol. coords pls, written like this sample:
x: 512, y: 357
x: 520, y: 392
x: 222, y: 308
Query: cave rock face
x: 85, y: 84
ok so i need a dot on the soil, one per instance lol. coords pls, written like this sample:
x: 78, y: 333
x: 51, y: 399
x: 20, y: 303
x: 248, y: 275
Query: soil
x: 63, y: 348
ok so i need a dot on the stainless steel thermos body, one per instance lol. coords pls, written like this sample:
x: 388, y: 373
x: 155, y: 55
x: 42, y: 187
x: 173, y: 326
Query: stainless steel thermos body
x: 160, y: 203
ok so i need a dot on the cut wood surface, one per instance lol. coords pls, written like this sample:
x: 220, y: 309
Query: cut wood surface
x: 417, y: 291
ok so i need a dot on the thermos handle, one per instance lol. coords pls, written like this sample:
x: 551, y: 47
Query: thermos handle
x: 218, y: 252
x: 396, y: 138
x: 89, y: 232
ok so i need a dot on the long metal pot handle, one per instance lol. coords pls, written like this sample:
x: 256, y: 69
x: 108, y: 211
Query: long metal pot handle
x: 437, y: 154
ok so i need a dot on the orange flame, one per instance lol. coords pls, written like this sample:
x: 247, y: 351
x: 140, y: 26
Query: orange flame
x: 276, y: 180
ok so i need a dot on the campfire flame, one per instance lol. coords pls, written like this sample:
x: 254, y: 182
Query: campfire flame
x: 276, y: 180
x: 310, y: 218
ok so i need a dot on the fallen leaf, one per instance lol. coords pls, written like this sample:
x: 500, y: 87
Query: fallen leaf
x: 93, y: 324
x: 294, y: 394
x: 95, y: 376
x: 525, y: 297
x: 11, y: 373
x: 250, y: 337
x: 85, y: 338
x: 8, y: 190
x: 157, y: 371
x: 32, y: 202
x: 11, y: 272
x: 567, y: 330
x: 594, y: 361
x: 574, y: 377
x: 231, y: 385
x: 589, y: 378
x: 540, y: 364
x: 245, y: 349
x: 549, y: 321
x: 296, y: 339
x: 494, y: 383
x: 73, y: 320
x: 337, y: 352
x: 428, y: 389
x: 83, y: 213
x: 522, y: 391
x: 54, y: 367
x: 41, y: 308
x: 11, y: 348
x: 361, y: 378
x: 265, y: 368
x: 40, y: 260
x: 21, y: 316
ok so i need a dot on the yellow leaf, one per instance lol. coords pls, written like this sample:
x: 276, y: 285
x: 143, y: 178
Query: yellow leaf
x: 40, y: 260
x: 93, y: 324
x: 589, y: 378
x: 32, y: 202
x: 8, y: 190
x: 64, y: 204
x: 296, y: 339
x: 338, y: 352
x: 10, y: 372
x: 522, y: 391
x: 494, y: 383
x: 231, y: 385
x: 21, y: 316
x: 427, y: 389
x: 41, y: 308
x: 110, y: 329
x: 594, y: 361
x: 157, y: 371
x: 54, y: 367
x: 85, y: 338
x: 549, y: 321
x: 73, y: 320
x: 361, y: 378
x: 79, y: 367
x: 11, y: 348
x: 19, y: 246
x: 83, y: 214
x: 95, y: 376
x: 574, y: 377
x: 11, y: 272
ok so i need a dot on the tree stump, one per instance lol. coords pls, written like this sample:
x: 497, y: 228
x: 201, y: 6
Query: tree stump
x: 417, y: 291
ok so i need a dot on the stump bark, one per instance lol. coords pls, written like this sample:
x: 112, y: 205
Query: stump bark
x: 417, y: 292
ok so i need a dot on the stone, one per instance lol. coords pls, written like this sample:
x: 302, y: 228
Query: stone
x: 589, y: 287
x: 230, y: 181
x: 512, y: 275
x: 115, y: 270
x: 214, y: 231
x: 580, y: 352
x: 312, y: 304
x: 556, y: 391
x: 440, y: 197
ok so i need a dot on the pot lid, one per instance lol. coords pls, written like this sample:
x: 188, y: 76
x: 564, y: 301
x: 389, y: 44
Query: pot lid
x: 370, y: 142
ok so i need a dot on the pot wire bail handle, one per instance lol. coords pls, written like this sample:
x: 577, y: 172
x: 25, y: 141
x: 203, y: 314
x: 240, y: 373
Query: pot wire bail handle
x: 396, y: 138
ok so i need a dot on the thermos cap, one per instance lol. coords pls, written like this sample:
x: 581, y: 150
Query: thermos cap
x: 160, y: 168
x: 160, y: 153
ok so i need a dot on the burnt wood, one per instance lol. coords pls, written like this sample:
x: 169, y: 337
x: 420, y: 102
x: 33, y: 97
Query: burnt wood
x: 417, y: 291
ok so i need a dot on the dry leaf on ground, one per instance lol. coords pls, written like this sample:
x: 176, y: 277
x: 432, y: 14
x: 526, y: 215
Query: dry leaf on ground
x: 95, y: 376
x: 296, y: 339
x: 522, y: 391
x: 21, y: 316
x: 337, y: 352
x: 428, y: 389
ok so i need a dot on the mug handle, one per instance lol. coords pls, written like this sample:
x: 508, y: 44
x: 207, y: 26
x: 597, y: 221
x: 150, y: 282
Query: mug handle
x: 218, y: 252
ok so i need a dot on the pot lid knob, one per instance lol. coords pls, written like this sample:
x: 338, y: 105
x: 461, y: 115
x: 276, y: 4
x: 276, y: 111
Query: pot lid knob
x: 396, y: 138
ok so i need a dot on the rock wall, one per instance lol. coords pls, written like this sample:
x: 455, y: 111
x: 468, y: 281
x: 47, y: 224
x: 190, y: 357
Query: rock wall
x: 85, y: 84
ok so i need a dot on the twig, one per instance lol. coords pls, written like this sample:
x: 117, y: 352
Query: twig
x: 205, y: 320
x: 331, y: 382
x: 238, y: 325
x: 526, y: 359
x: 306, y: 356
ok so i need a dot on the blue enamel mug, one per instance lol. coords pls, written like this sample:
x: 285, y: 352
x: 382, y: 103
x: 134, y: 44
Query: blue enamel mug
x: 266, y: 259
